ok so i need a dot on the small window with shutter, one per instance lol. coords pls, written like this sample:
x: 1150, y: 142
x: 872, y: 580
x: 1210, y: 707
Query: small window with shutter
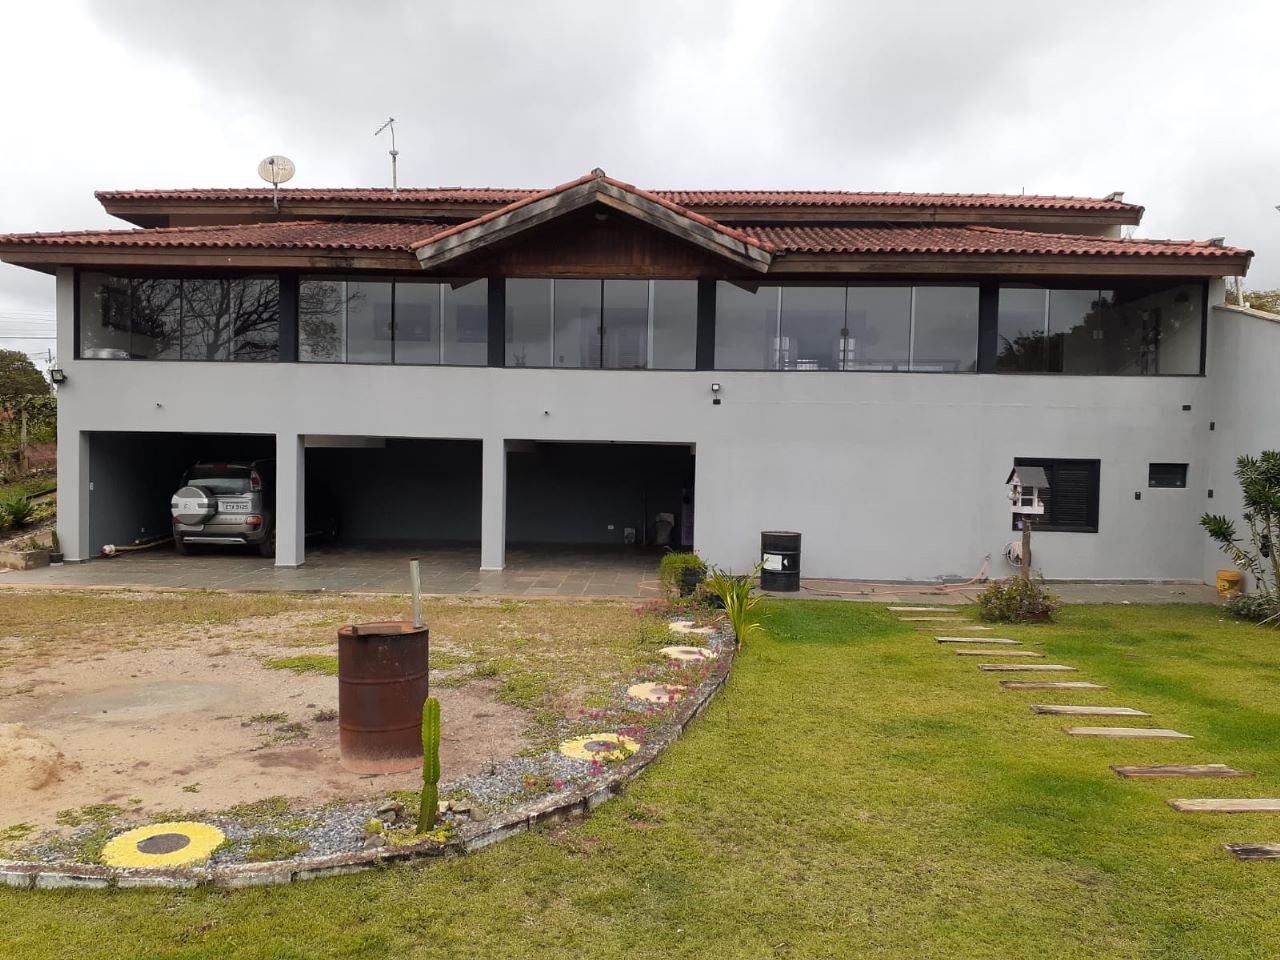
x: 1071, y: 502
x: 1167, y: 475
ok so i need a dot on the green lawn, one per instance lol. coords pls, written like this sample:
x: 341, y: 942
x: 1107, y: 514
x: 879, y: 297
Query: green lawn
x: 857, y: 790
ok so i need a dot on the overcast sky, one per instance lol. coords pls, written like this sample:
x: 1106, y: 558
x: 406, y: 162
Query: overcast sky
x: 1176, y: 103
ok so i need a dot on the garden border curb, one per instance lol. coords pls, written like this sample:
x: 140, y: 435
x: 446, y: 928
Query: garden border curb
x: 471, y: 837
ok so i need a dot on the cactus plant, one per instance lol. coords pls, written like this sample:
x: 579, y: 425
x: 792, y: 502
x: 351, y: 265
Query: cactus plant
x: 430, y: 765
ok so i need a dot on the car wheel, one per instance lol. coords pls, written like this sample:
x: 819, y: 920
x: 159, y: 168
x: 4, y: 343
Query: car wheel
x: 268, y: 546
x: 181, y: 547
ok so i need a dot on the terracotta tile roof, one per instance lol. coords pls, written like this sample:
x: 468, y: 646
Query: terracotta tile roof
x: 892, y: 240
x: 974, y: 239
x: 293, y: 234
x: 683, y: 198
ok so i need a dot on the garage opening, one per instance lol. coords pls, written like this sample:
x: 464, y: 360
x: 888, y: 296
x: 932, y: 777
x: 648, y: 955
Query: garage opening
x: 133, y: 476
x: 398, y: 491
x: 636, y: 495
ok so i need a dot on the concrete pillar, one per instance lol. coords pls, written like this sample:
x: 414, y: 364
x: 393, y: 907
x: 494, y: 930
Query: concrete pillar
x: 291, y: 503
x: 493, y: 505
x: 73, y: 493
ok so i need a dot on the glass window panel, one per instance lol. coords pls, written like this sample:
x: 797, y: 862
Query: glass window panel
x: 626, y: 325
x: 746, y: 327
x: 1076, y: 331
x: 321, y: 332
x: 417, y: 322
x: 369, y: 336
x: 255, y: 318
x: 577, y: 323
x: 1022, y: 322
x: 812, y: 328
x: 156, y: 319
x: 675, y: 324
x: 1153, y: 332
x: 528, y: 323
x: 879, y: 323
x: 105, y: 306
x: 206, y: 320
x: 466, y: 323
x: 945, y: 330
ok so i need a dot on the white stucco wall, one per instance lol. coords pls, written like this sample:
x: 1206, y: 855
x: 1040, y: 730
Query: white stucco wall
x: 1244, y: 351
x: 888, y: 476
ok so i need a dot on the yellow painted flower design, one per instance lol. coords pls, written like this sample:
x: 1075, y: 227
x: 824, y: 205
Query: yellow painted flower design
x: 599, y: 746
x: 162, y: 845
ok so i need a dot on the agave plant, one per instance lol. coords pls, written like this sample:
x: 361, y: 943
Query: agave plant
x: 17, y: 510
x: 735, y: 592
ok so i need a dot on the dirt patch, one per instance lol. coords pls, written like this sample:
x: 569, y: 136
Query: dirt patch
x: 194, y: 728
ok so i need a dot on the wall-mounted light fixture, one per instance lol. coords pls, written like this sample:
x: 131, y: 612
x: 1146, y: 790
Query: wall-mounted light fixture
x: 58, y: 375
x: 715, y: 393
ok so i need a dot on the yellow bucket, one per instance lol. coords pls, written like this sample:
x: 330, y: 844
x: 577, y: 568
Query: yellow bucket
x: 1230, y: 584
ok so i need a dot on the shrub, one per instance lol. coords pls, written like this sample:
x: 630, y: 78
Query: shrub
x: 1256, y: 607
x: 672, y: 568
x: 1016, y: 600
x: 739, y: 602
x: 1260, y: 490
x: 17, y: 510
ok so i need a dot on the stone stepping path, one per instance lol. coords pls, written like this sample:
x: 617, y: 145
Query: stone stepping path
x: 960, y: 627
x: 1253, y: 851
x: 1226, y: 806
x: 655, y: 692
x: 687, y: 626
x: 997, y: 653
x: 1073, y: 710
x: 599, y: 746
x: 1181, y: 770
x: 1050, y: 685
x: 687, y: 653
x: 931, y: 619
x: 921, y: 610
x: 1004, y: 640
x: 1026, y: 667
x: 1127, y: 733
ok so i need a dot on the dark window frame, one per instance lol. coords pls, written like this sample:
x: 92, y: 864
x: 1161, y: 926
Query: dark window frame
x: 1057, y: 468
x: 1158, y: 475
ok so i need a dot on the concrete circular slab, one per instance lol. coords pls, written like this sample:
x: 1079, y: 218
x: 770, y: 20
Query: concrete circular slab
x: 687, y: 653
x: 655, y: 692
x: 687, y: 626
x: 174, y: 844
x: 599, y: 746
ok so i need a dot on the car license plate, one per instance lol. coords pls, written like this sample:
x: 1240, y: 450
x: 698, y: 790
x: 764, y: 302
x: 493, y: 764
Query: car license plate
x: 233, y: 506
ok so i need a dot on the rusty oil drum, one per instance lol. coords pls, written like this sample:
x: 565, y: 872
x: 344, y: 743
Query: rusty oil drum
x: 382, y: 684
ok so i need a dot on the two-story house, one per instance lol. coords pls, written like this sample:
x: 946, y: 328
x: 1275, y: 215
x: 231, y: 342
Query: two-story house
x: 598, y: 363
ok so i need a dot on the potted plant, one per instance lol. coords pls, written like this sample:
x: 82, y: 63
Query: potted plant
x: 681, y: 573
x: 55, y: 550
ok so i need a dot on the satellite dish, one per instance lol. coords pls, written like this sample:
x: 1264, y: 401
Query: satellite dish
x: 276, y: 169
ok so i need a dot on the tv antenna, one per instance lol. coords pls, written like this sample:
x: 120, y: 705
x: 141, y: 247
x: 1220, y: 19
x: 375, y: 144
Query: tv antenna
x: 391, y: 122
x: 276, y: 170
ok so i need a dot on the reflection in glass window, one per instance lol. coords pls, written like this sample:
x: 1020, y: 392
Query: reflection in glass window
x: 528, y: 323
x: 465, y: 318
x: 230, y: 319
x: 1139, y: 328
x: 625, y: 342
x: 105, y: 307
x: 674, y: 342
x: 156, y: 319
x: 369, y: 318
x: 576, y: 332
x: 417, y: 320
x: 813, y: 328
x: 944, y: 330
x: 747, y: 327
x: 321, y: 320
x: 879, y: 323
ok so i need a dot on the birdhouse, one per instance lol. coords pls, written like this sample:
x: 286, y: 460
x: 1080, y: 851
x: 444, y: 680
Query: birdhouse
x: 1026, y: 486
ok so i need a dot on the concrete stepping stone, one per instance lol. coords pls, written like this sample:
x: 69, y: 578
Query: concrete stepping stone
x: 961, y: 628
x: 655, y: 692
x: 921, y: 610
x: 997, y: 653
x: 687, y: 626
x: 1253, y: 851
x: 1073, y: 710
x: 599, y: 746
x: 1026, y: 667
x: 1181, y: 770
x: 687, y: 654
x: 1004, y: 640
x: 1218, y: 805
x: 1050, y: 685
x: 931, y: 619
x: 1127, y: 733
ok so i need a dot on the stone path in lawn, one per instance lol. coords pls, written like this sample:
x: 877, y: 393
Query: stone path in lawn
x: 920, y: 610
x: 1075, y: 710
x: 932, y: 619
x: 997, y: 653
x: 1241, y: 851
x: 1181, y: 770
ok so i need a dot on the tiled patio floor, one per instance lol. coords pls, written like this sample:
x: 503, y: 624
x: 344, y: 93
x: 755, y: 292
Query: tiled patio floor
x: 542, y: 571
